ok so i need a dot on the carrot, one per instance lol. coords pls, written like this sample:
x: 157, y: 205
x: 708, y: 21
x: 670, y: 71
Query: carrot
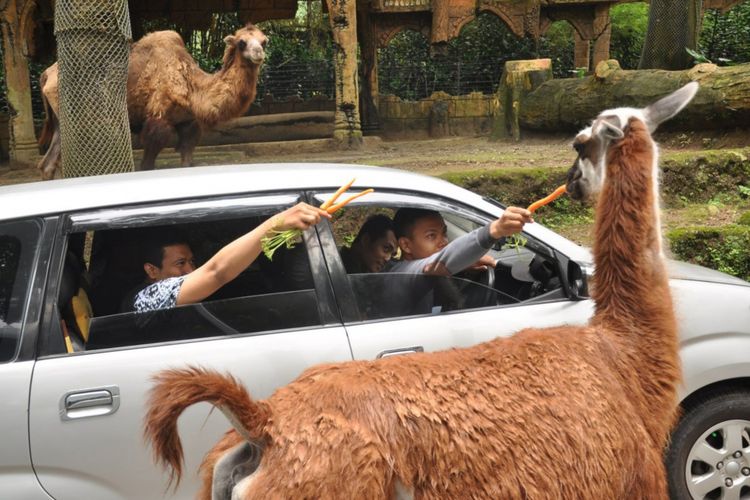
x: 330, y: 201
x: 547, y: 199
x: 334, y: 208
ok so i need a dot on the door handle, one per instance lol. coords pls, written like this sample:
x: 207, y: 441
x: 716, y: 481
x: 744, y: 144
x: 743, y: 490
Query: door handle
x: 397, y: 352
x: 89, y: 402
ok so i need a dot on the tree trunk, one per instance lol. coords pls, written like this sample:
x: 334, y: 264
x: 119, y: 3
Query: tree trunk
x: 673, y: 26
x: 723, y: 100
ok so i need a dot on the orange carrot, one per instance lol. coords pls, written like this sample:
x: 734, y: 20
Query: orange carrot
x: 334, y: 208
x: 547, y: 199
x: 330, y: 201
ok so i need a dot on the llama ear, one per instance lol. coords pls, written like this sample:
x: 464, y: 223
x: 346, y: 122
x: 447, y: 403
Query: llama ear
x: 607, y: 127
x: 229, y: 39
x: 666, y: 107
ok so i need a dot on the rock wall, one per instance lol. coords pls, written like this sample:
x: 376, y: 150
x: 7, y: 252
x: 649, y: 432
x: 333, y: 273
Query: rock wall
x: 467, y: 115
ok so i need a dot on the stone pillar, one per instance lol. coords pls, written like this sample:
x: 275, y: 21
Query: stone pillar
x: 582, y: 51
x: 369, y: 75
x: 343, y: 16
x: 602, y: 34
x: 23, y: 146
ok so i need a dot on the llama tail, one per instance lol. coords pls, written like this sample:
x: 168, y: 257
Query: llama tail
x: 176, y: 390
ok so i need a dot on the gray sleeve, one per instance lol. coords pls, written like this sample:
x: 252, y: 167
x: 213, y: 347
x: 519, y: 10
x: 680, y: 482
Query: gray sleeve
x: 456, y: 256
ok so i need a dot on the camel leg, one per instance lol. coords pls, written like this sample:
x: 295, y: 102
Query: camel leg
x: 50, y: 162
x: 188, y: 135
x: 154, y: 137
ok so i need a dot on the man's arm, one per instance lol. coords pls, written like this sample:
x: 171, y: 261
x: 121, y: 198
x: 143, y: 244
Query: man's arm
x: 467, y: 249
x: 234, y: 258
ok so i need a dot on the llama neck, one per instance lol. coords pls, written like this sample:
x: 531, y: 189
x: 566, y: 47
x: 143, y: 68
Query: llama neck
x: 225, y: 94
x: 631, y: 288
x: 627, y: 248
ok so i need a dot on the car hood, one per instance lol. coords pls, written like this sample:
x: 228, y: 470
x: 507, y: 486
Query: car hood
x: 677, y: 270
x: 685, y: 271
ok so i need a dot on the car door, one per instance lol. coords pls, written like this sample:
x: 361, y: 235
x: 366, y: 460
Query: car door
x: 88, y: 399
x: 384, y: 334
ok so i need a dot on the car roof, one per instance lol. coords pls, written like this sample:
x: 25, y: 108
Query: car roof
x: 69, y: 195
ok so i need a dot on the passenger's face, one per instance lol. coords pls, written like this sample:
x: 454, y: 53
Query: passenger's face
x: 178, y: 261
x: 429, y: 235
x: 375, y: 253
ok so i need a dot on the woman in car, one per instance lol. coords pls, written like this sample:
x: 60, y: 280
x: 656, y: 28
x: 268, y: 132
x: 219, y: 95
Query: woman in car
x: 373, y: 247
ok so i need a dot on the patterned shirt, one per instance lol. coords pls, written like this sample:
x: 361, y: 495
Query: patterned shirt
x: 159, y: 295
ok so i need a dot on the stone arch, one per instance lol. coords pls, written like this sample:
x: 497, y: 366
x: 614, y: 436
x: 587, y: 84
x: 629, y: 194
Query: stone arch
x: 27, y: 24
x: 386, y: 35
x: 515, y: 28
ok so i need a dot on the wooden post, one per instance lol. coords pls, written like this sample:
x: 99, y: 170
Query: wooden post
x: 582, y: 50
x: 347, y: 131
x: 23, y: 146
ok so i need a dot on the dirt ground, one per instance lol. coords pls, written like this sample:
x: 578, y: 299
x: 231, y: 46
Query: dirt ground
x: 429, y: 156
x: 436, y: 156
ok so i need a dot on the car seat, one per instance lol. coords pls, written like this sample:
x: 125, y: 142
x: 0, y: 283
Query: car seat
x: 73, y: 303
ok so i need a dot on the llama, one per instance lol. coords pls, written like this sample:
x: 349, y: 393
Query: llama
x: 564, y: 412
x: 167, y: 92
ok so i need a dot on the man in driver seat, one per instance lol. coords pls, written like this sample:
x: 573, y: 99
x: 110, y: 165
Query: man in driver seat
x: 425, y: 250
x: 422, y: 237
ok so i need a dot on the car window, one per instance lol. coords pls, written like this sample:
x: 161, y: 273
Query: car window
x: 18, y: 245
x: 107, y: 268
x: 524, y: 271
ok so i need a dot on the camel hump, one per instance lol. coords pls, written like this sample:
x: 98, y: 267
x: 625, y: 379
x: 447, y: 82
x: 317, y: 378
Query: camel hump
x: 162, y: 39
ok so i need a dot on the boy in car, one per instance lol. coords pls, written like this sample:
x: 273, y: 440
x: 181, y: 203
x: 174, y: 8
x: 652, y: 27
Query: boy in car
x: 422, y: 237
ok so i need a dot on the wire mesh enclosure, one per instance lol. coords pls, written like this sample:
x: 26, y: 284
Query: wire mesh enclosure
x: 93, y: 39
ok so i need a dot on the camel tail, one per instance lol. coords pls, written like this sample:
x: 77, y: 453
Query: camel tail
x: 176, y: 390
x: 50, y: 119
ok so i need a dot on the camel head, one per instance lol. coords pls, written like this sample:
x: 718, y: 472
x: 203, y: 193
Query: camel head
x: 248, y: 43
x: 586, y: 176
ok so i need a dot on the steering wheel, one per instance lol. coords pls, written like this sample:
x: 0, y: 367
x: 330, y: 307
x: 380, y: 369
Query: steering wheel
x: 484, y: 295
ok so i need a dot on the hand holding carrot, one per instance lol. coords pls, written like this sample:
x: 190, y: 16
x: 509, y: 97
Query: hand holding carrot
x: 287, y: 226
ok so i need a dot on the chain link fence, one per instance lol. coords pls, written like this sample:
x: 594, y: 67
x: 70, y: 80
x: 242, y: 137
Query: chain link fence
x: 93, y: 38
x: 673, y: 26
x: 299, y: 79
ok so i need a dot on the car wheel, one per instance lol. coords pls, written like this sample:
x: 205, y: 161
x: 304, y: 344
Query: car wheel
x: 709, y: 454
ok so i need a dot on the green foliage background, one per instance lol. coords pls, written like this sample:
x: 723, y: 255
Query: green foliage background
x: 299, y: 60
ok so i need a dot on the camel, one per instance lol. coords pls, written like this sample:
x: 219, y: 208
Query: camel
x: 565, y: 412
x: 167, y: 92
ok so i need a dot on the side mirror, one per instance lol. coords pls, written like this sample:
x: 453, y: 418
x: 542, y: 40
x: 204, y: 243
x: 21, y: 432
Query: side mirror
x: 573, y: 278
x: 578, y: 288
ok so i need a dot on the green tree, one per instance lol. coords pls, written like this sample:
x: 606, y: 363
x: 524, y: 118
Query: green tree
x: 726, y: 37
x: 629, y: 23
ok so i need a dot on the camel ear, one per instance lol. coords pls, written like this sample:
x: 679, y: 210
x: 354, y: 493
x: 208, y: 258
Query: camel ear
x: 608, y: 127
x: 229, y: 39
x: 666, y: 107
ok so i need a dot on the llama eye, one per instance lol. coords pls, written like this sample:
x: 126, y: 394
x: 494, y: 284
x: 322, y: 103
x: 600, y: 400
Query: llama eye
x: 578, y: 146
x: 242, y: 45
x: 264, y: 43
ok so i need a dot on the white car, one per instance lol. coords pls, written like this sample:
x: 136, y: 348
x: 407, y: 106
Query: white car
x: 73, y: 387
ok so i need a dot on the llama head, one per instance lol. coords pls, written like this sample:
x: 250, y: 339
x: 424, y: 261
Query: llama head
x: 586, y: 176
x: 249, y: 43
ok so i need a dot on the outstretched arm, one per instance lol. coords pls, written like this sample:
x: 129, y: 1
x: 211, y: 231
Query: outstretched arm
x: 466, y: 250
x: 234, y: 258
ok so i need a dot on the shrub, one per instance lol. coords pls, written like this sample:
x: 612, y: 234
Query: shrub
x: 724, y: 249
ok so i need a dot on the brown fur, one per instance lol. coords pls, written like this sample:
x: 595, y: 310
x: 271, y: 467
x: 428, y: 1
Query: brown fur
x: 566, y: 412
x: 166, y: 86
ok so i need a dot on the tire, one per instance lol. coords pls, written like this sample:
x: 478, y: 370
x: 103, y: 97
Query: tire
x: 709, y: 454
